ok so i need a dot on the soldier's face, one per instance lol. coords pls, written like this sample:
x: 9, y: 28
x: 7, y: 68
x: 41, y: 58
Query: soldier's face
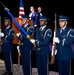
x: 62, y: 23
x: 42, y: 23
x: 6, y: 23
x: 24, y: 21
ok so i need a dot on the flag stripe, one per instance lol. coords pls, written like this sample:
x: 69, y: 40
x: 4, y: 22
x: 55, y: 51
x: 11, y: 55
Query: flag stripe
x: 21, y: 8
x: 21, y: 11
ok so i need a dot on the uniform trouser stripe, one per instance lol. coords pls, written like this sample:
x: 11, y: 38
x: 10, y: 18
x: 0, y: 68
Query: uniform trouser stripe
x: 42, y: 64
x: 30, y: 64
x: 26, y: 62
x: 70, y: 68
x: 11, y: 62
x: 47, y: 64
x: 8, y: 61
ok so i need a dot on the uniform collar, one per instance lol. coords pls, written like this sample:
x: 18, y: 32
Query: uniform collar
x: 26, y: 25
x: 64, y: 27
x: 7, y: 27
x: 43, y: 27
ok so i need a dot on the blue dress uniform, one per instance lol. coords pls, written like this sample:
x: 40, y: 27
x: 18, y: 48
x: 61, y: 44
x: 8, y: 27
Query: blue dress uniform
x: 25, y: 48
x: 64, y: 50
x: 7, y: 47
x: 42, y: 48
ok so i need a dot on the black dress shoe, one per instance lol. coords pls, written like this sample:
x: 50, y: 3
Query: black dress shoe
x: 7, y: 73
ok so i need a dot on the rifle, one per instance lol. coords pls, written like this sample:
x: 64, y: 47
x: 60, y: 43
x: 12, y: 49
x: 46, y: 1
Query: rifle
x: 0, y: 36
x: 54, y: 44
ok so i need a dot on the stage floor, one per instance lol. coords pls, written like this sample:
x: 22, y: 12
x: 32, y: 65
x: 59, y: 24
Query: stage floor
x: 17, y: 70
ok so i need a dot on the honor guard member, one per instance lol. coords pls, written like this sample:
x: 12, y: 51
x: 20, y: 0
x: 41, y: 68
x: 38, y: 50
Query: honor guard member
x: 26, y: 45
x: 7, y: 45
x: 64, y: 41
x: 43, y: 36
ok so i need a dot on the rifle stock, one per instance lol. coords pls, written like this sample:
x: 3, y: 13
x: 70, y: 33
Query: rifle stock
x: 54, y: 44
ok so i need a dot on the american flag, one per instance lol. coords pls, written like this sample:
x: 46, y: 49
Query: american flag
x: 21, y: 11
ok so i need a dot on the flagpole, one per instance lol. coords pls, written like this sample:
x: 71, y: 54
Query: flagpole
x: 21, y: 13
x: 15, y: 21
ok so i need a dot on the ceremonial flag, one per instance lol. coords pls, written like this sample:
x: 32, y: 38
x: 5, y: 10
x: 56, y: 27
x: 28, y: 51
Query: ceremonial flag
x: 21, y: 11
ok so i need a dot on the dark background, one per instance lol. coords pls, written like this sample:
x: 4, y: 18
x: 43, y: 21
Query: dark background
x: 49, y: 8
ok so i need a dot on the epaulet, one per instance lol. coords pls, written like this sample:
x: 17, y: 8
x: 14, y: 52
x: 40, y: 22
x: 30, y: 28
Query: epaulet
x: 70, y: 31
x: 47, y: 29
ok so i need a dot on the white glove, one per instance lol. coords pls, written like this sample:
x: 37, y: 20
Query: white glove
x: 18, y: 48
x: 2, y: 34
x: 30, y: 18
x: 56, y: 39
x: 18, y: 34
x: 53, y: 51
x: 35, y: 25
x: 32, y: 41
